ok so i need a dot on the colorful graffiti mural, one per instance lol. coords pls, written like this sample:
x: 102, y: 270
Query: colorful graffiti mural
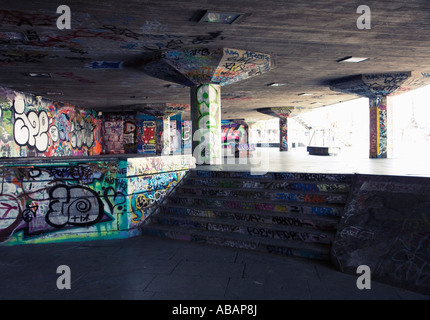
x: 222, y: 66
x: 113, y: 134
x: 234, y: 136
x: 146, y: 192
x: 58, y: 201
x: 119, y: 133
x: 37, y: 127
x: 153, y: 165
x: 130, y: 133
x: 83, y: 200
x: 146, y: 141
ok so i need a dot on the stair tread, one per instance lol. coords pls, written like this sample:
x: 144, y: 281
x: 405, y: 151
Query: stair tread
x: 297, y: 244
x: 226, y: 221
x: 280, y: 202
x: 194, y: 177
x: 325, y: 193
x: 324, y: 218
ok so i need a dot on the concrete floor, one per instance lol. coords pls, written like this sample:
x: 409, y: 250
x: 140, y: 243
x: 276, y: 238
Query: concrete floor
x: 298, y: 160
x: 150, y: 268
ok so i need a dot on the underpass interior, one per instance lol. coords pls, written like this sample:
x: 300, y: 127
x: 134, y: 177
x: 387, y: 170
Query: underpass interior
x: 290, y: 128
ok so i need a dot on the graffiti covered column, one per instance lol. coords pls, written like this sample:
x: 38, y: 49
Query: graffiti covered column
x: 378, y: 128
x: 283, y: 113
x: 163, y: 135
x: 206, y: 123
x: 283, y: 134
x: 378, y: 87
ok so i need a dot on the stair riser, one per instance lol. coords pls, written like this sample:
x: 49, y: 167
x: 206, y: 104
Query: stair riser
x: 261, y: 194
x: 255, y: 218
x: 253, y: 231
x: 239, y: 244
x: 243, y: 205
x: 281, y: 186
x: 282, y: 176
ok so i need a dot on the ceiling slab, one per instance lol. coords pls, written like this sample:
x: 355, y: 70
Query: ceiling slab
x: 86, y: 65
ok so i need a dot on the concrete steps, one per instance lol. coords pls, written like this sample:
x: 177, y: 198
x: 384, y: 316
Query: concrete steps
x: 292, y: 214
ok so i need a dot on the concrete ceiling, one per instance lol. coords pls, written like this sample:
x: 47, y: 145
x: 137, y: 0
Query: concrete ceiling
x: 89, y: 64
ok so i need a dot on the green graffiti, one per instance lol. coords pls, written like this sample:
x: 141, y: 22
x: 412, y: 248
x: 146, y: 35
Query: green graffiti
x: 208, y: 126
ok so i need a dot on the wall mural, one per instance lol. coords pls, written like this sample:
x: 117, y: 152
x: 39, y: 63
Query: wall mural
x: 130, y: 133
x: 40, y: 203
x: 113, y: 128
x: 234, y: 135
x: 146, y: 135
x: 84, y: 200
x: 146, y: 192
x: 36, y: 127
x: 119, y: 133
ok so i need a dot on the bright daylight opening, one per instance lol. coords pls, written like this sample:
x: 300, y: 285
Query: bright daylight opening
x: 345, y: 126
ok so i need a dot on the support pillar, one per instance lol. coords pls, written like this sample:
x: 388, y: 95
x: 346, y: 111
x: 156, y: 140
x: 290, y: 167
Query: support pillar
x: 146, y: 131
x: 283, y: 134
x: 378, y: 127
x: 176, y: 134
x: 166, y: 135
x: 206, y: 123
x: 163, y: 135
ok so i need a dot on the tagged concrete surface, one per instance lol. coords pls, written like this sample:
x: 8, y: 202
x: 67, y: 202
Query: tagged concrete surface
x: 148, y: 268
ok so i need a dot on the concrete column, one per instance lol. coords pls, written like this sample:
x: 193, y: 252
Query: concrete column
x: 163, y: 135
x: 378, y: 127
x: 283, y: 134
x: 166, y: 136
x: 147, y: 133
x: 176, y: 134
x: 206, y: 123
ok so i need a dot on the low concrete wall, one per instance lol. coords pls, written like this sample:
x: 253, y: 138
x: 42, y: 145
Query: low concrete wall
x: 386, y: 226
x: 85, y: 199
x: 32, y: 126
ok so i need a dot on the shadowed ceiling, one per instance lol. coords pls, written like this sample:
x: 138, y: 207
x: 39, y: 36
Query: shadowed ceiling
x: 91, y: 66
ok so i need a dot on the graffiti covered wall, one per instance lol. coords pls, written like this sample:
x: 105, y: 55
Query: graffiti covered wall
x: 113, y: 128
x: 149, y: 180
x: 61, y: 201
x: 146, y: 134
x: 119, y: 133
x: 386, y: 226
x: 35, y: 127
x: 83, y: 200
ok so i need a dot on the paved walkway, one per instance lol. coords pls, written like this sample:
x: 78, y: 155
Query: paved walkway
x: 151, y: 268
x: 299, y: 160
